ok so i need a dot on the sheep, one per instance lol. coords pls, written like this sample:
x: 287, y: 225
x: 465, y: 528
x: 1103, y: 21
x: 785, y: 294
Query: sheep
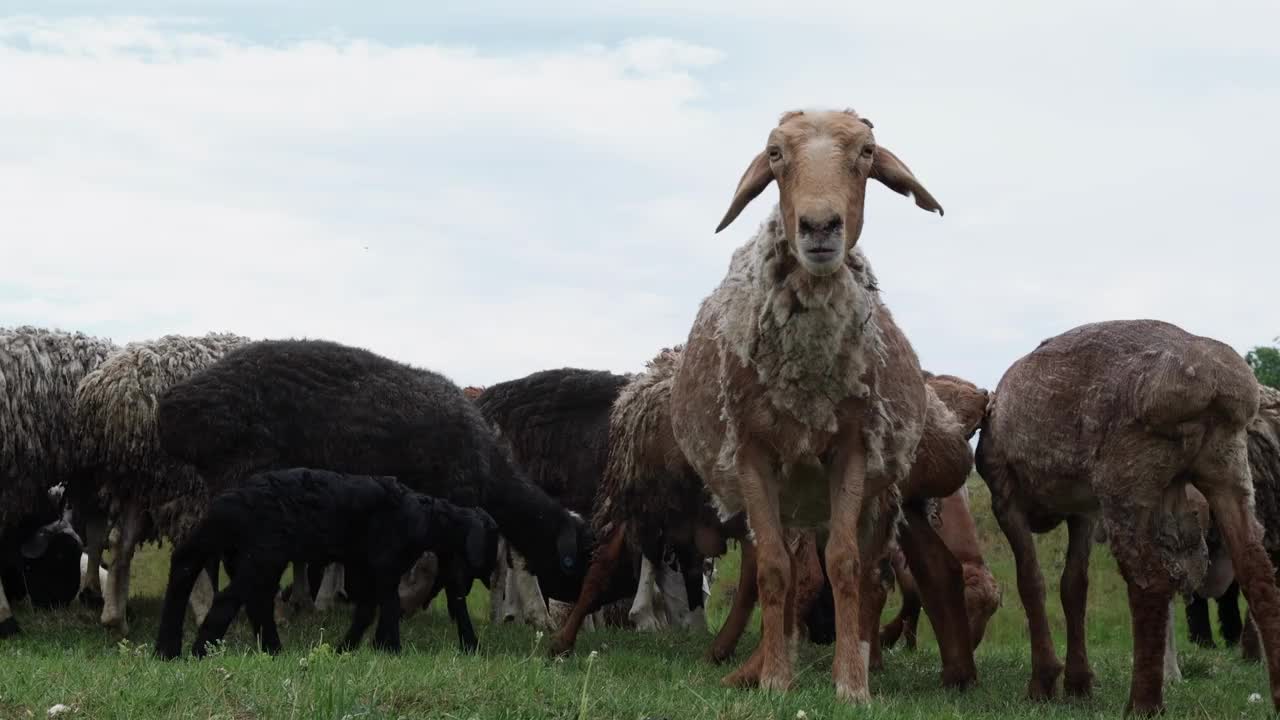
x: 795, y: 372
x: 649, y: 499
x: 40, y: 557
x: 376, y: 527
x: 316, y: 403
x: 959, y: 592
x: 115, y: 418
x: 1114, y: 419
x: 39, y: 371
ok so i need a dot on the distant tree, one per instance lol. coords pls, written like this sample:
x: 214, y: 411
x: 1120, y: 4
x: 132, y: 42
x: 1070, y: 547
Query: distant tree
x: 1265, y: 361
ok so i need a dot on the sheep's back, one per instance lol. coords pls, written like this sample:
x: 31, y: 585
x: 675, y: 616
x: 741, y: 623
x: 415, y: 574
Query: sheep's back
x: 557, y: 425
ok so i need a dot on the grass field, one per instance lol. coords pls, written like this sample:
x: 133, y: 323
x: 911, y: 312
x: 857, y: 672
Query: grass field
x: 65, y: 658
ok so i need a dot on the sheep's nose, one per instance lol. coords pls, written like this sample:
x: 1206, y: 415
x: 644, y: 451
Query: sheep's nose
x: 821, y: 226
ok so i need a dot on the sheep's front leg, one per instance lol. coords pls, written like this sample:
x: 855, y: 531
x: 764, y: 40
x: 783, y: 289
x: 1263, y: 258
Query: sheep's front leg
x: 114, y: 607
x: 642, y: 612
x: 8, y: 626
x: 1229, y: 615
x: 603, y: 561
x: 904, y: 624
x: 300, y: 598
x: 760, y: 495
x: 844, y: 568
x: 456, y: 598
x: 386, y: 636
x: 941, y: 582
x: 201, y: 599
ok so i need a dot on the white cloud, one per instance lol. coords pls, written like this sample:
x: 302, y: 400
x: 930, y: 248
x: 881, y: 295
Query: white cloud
x: 492, y: 212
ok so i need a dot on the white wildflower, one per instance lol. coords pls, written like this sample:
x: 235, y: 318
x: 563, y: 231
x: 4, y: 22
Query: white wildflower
x: 594, y: 654
x: 801, y: 715
x: 58, y: 709
x: 1254, y: 698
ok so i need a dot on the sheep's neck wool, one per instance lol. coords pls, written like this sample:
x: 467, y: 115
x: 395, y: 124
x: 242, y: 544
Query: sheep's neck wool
x: 812, y: 343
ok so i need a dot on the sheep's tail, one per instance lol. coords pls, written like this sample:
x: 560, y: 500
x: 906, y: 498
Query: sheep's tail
x: 188, y: 561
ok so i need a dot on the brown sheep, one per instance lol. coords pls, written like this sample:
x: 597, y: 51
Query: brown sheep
x: 797, y: 398
x: 1115, y: 419
x: 959, y: 591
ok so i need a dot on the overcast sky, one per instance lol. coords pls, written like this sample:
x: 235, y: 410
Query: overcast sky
x: 493, y: 189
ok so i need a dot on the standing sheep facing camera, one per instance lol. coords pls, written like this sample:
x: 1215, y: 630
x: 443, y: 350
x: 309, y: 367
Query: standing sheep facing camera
x: 374, y: 526
x: 312, y: 403
x: 39, y: 371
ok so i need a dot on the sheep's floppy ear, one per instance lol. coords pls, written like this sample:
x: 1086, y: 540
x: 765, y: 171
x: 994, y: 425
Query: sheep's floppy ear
x: 567, y: 545
x: 753, y: 182
x: 888, y: 169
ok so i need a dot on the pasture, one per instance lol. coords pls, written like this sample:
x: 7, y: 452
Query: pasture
x: 64, y: 658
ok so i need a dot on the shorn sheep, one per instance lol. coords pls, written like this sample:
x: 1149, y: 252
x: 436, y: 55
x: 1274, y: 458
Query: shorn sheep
x: 649, y: 500
x: 312, y: 403
x: 374, y: 526
x: 39, y: 372
x: 1114, y: 419
x: 142, y: 485
x: 798, y: 399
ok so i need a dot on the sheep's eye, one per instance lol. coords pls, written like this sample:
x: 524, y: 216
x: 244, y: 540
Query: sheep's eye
x: 775, y: 153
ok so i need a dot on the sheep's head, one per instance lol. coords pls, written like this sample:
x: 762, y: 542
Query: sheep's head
x: 822, y: 161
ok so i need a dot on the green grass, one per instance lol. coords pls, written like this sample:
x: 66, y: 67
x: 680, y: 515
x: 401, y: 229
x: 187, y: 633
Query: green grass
x: 65, y: 658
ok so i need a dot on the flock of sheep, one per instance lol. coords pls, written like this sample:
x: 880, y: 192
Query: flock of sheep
x: 795, y: 420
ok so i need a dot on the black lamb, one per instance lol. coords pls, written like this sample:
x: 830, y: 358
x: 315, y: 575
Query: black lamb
x: 314, y: 403
x: 373, y: 525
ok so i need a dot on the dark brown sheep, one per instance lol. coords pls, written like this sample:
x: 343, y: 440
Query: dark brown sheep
x: 1114, y: 419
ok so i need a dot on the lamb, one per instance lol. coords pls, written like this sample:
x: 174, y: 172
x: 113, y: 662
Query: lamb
x: 39, y: 371
x: 797, y: 398
x: 115, y: 419
x: 650, y: 499
x: 314, y: 403
x: 374, y: 526
x: 1114, y: 419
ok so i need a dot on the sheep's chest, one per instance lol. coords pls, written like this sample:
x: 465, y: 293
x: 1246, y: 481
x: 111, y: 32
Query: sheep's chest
x: 804, y: 496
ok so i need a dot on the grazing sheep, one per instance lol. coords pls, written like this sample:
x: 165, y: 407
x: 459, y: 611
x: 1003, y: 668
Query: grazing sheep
x: 798, y: 399
x: 39, y: 371
x: 1115, y: 419
x: 40, y: 557
x: 314, y: 403
x: 943, y: 463
x: 649, y: 499
x: 116, y: 423
x: 376, y: 527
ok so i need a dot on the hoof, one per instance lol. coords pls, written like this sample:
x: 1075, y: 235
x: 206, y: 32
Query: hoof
x: 167, y: 651
x: 747, y: 676
x: 959, y: 679
x: 1043, y: 684
x: 560, y: 647
x: 1078, y: 684
x: 717, y: 654
x: 853, y: 696
x: 9, y: 628
x: 119, y: 625
x: 1149, y: 708
x: 92, y: 600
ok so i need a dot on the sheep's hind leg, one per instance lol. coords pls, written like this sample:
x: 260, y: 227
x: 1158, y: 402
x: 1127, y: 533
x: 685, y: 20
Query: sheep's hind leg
x: 95, y: 532
x: 261, y: 611
x: 1198, y: 626
x: 904, y: 624
x: 1229, y: 615
x: 214, y: 628
x: 386, y: 636
x: 1079, y: 677
x: 744, y: 601
x: 8, y: 626
x: 363, y: 595
x: 117, y: 599
x: 1045, y: 667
